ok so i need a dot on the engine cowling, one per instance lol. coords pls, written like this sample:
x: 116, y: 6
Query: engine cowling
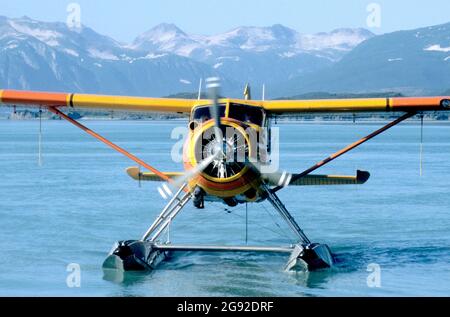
x: 230, y: 174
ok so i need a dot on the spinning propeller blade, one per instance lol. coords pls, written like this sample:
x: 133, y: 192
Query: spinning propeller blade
x: 279, y: 178
x: 179, y: 181
x: 213, y: 85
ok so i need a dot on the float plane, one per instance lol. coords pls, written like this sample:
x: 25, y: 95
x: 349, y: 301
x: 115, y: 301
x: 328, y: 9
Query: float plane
x: 227, y: 157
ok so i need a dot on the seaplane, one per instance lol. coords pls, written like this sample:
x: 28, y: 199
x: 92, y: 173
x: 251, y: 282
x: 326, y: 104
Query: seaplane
x: 227, y: 157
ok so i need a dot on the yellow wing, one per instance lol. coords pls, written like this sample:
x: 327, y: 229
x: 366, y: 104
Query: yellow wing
x: 136, y: 174
x: 166, y: 105
x: 358, y: 105
x: 317, y: 180
x: 163, y: 105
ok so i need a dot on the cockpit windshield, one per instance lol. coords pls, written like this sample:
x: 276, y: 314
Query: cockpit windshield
x: 202, y: 114
x: 246, y: 113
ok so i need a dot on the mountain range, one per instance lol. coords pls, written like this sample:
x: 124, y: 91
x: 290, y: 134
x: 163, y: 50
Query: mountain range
x: 165, y: 60
x: 415, y: 62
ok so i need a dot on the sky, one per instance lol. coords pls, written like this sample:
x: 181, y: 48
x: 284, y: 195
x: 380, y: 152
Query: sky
x: 125, y: 20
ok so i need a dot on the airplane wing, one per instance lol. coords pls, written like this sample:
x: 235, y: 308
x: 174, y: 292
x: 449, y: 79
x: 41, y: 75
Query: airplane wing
x: 358, y: 105
x: 167, y: 105
x: 272, y: 179
x: 141, y: 104
x: 275, y: 179
x: 136, y: 174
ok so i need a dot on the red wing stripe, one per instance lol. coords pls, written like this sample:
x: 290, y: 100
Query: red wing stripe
x: 432, y: 103
x: 15, y: 97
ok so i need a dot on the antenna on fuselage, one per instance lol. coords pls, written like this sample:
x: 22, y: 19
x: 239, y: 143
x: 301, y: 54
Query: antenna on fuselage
x: 200, y: 86
x: 264, y: 92
x: 247, y: 92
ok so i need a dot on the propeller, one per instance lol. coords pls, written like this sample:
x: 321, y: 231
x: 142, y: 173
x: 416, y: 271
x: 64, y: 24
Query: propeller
x: 280, y: 177
x: 213, y: 86
x: 218, y: 151
x: 180, y: 181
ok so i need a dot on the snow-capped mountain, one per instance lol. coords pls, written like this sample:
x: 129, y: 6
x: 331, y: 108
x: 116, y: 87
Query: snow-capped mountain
x: 277, y: 38
x: 255, y: 54
x: 165, y: 38
x: 413, y: 62
x: 162, y: 61
x: 75, y: 42
x: 50, y: 56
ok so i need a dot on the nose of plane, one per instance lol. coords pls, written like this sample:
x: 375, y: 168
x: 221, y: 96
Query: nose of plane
x: 234, y: 147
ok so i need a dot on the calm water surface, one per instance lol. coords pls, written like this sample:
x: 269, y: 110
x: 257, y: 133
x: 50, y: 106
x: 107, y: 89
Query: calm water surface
x: 74, y: 207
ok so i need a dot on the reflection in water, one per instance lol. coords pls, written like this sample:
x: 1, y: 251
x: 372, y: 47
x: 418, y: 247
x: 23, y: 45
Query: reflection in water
x: 250, y: 274
x: 306, y: 279
x: 241, y: 274
x: 126, y: 278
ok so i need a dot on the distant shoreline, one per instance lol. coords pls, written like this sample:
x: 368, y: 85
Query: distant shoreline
x: 278, y: 122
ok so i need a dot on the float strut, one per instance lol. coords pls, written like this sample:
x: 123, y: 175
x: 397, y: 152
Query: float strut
x: 281, y: 208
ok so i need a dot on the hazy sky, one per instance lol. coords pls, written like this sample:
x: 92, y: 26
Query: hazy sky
x: 124, y: 20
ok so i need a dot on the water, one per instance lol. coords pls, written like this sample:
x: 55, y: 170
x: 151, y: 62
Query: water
x: 74, y: 207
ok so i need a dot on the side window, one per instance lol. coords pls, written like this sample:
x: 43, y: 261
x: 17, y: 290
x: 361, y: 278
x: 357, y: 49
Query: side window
x: 245, y: 113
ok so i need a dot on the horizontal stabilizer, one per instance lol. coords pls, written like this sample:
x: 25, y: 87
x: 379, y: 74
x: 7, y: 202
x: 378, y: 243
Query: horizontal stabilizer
x: 136, y: 174
x: 315, y: 180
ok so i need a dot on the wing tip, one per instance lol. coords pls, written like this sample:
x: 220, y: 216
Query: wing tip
x: 362, y: 176
x: 134, y: 172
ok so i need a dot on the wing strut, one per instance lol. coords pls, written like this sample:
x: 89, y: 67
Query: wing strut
x: 348, y: 149
x: 110, y: 144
